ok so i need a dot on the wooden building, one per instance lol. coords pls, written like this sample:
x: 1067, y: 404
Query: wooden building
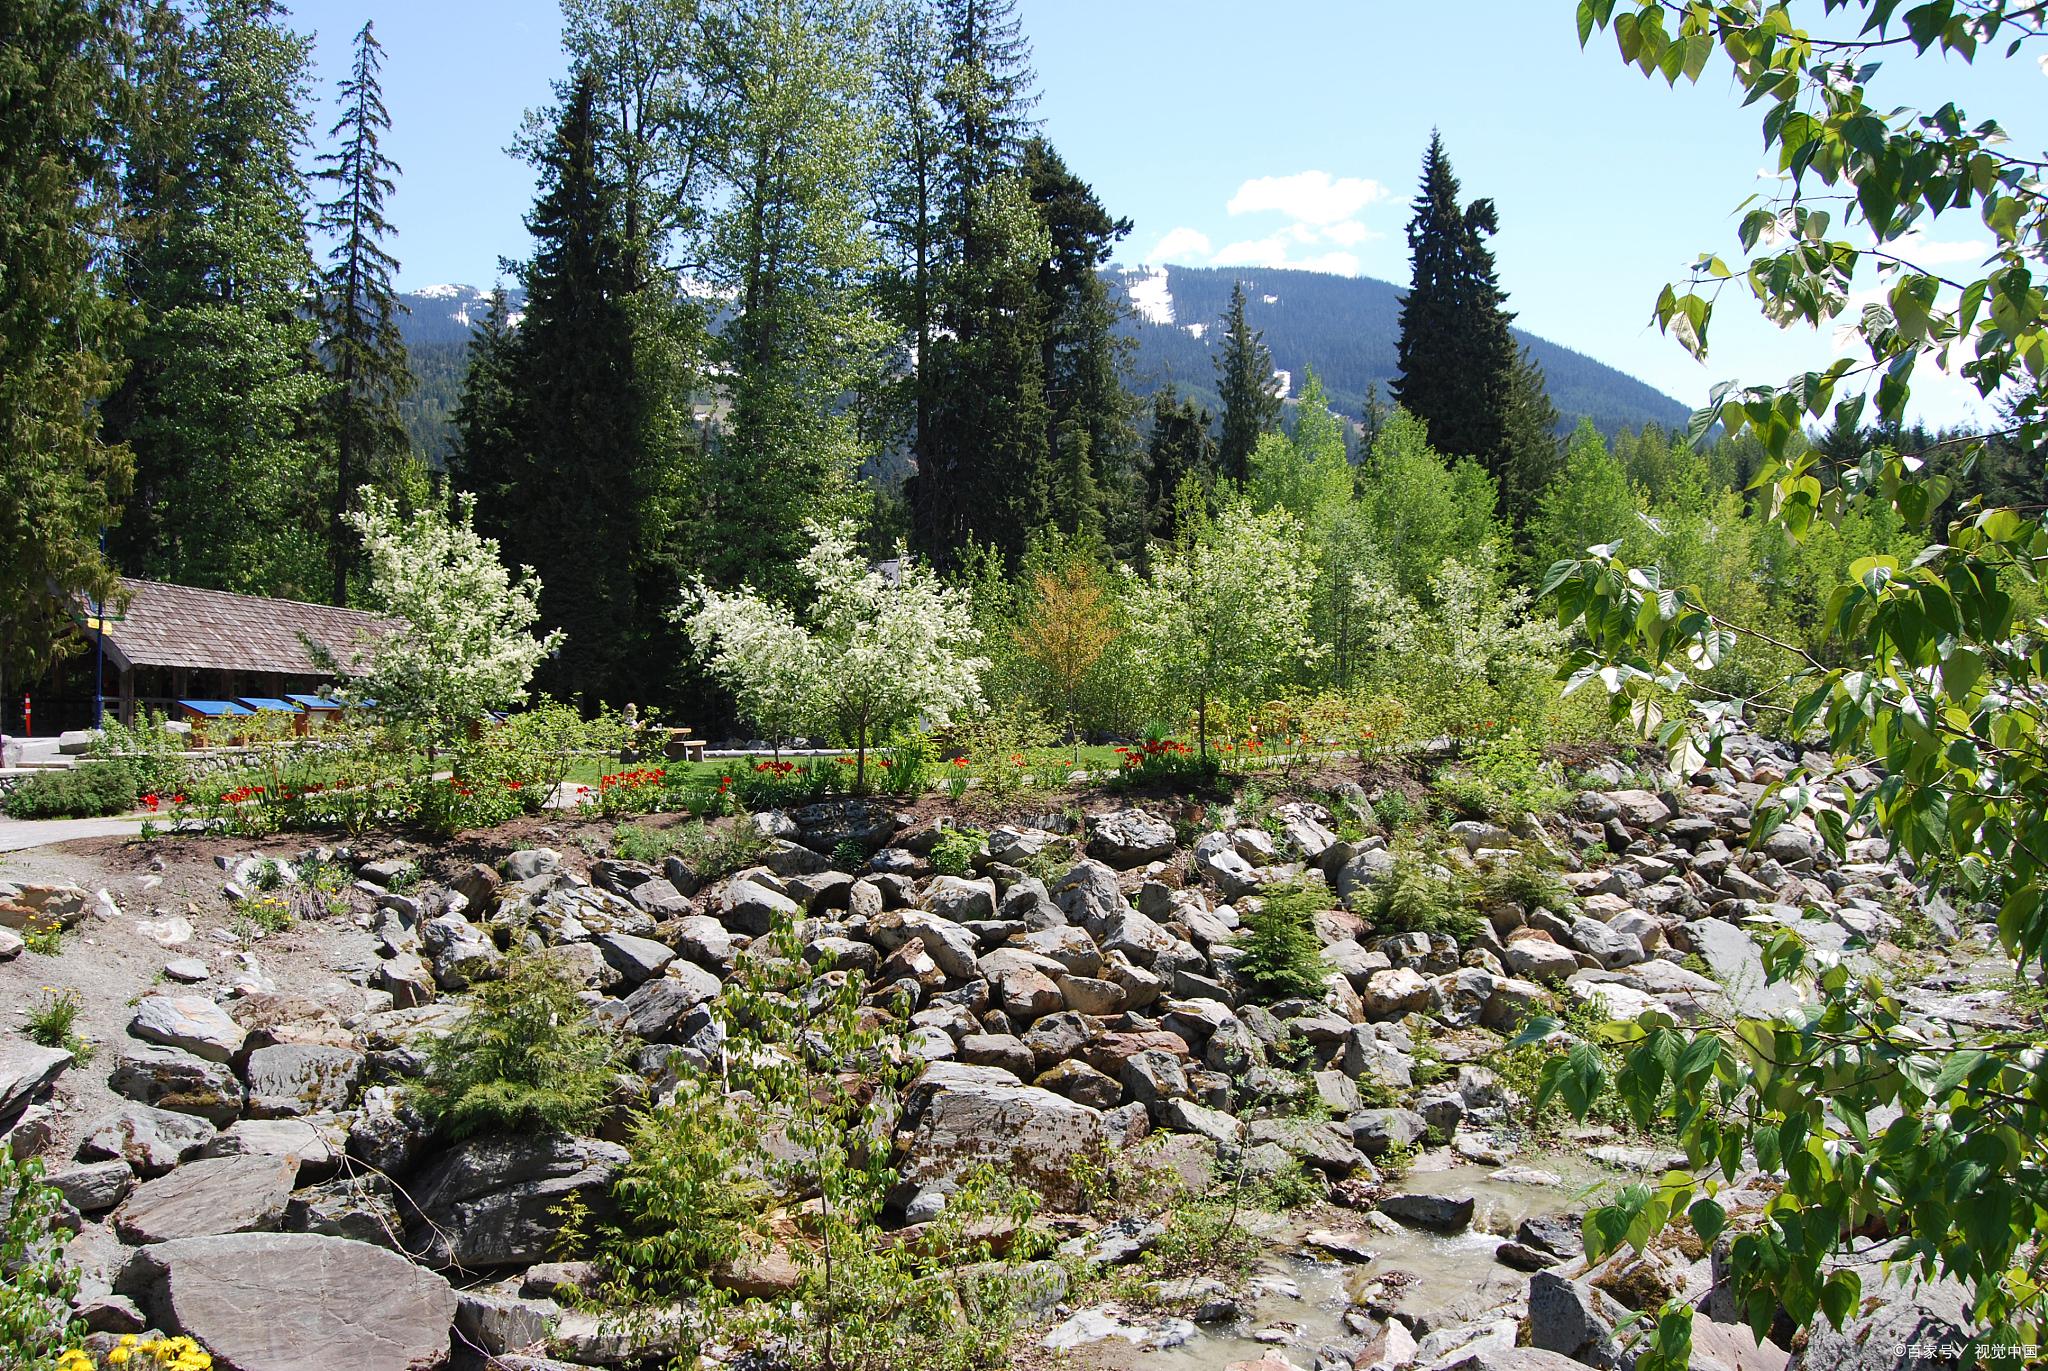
x: 172, y: 643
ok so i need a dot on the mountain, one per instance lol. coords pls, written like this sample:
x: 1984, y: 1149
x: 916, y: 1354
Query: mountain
x: 1345, y: 327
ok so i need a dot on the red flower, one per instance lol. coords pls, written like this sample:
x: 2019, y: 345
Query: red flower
x: 149, y: 802
x: 959, y: 761
x: 514, y: 785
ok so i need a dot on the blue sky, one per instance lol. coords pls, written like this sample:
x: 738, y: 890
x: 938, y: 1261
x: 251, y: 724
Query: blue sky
x: 1270, y: 134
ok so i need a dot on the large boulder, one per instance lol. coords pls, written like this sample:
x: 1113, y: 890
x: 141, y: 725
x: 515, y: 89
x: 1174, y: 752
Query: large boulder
x: 1218, y: 859
x: 823, y: 827
x: 752, y: 908
x: 656, y: 1009
x: 1130, y: 837
x: 1088, y: 895
x: 26, y: 1071
x: 291, y: 1079
x: 1572, y: 1318
x: 491, y: 1201
x: 296, y: 1302
x: 191, y: 1022
x: 960, y: 899
x: 956, y: 1117
x: 172, y: 1078
x: 948, y: 944
x: 150, y: 1140
x: 213, y: 1195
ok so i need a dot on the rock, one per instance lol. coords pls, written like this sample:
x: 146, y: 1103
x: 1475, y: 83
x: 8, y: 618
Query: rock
x: 489, y: 1201
x: 1897, y: 1327
x: 1539, y: 959
x: 1216, y: 857
x: 1185, y: 1116
x: 530, y: 862
x: 1732, y: 1347
x: 363, y: 1209
x: 187, y: 970
x: 297, y: 1302
x: 1735, y: 961
x: 956, y: 1116
x: 152, y: 1141
x: 1363, y: 872
x: 1081, y: 1083
x: 950, y: 946
x: 656, y: 1009
x: 387, y: 1133
x: 93, y: 1187
x: 823, y: 827
x: 1392, y: 993
x: 170, y: 1078
x: 1154, y: 1077
x: 1325, y: 1145
x: 998, y: 1050
x: 960, y: 900
x: 173, y: 930
x: 1088, y: 895
x: 1572, y: 1318
x: 11, y: 945
x: 1557, y: 1235
x: 1099, y: 1325
x: 213, y: 1195
x: 1130, y: 837
x: 1641, y: 809
x: 1475, y: 835
x: 1392, y: 1350
x: 41, y: 904
x: 1509, y: 1359
x: 191, y: 1022
x: 751, y: 908
x: 1092, y: 996
x: 293, y: 1079
x: 26, y: 1071
x: 1605, y: 943
x: 1522, y: 1257
x: 1618, y: 1003
x: 637, y: 960
x: 316, y: 1155
x: 1437, y: 1213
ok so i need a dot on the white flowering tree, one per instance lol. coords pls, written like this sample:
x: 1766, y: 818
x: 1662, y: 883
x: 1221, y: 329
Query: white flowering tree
x: 463, y: 644
x: 868, y: 653
x: 1225, y: 613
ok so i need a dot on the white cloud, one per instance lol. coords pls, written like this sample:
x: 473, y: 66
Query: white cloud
x: 1278, y: 251
x: 1916, y: 247
x: 1181, y: 244
x: 1314, y: 197
x: 1350, y: 233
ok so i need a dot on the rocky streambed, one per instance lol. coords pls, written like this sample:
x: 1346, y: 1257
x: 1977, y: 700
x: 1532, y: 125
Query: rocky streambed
x: 241, y: 1162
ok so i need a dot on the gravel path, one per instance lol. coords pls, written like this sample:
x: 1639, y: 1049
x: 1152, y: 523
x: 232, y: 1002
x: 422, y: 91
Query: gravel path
x: 18, y: 835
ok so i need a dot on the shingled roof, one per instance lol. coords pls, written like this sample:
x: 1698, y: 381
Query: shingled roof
x: 180, y: 626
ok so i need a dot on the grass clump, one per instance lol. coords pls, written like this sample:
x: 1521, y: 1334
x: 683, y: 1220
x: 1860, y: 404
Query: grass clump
x: 528, y: 1056
x: 53, y: 1022
x: 1283, y: 957
x: 265, y: 913
x: 1503, y: 778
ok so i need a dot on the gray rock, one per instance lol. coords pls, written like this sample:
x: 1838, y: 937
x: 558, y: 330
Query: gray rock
x: 315, y: 1153
x: 1573, y: 1319
x: 209, y: 1196
x: 1539, y: 959
x: 752, y: 908
x: 960, y: 900
x: 26, y: 1072
x: 297, y: 1302
x: 1219, y: 861
x: 1605, y: 944
x: 637, y: 960
x: 152, y: 1141
x: 1130, y: 837
x: 1088, y: 895
x: 1437, y: 1213
x: 387, y: 1133
x: 93, y: 1187
x: 1154, y: 1077
x: 530, y: 862
x: 956, y: 1117
x: 1379, y: 1131
x: 1363, y: 872
x: 191, y: 1022
x: 360, y: 1208
x: 654, y: 1011
x: 171, y: 1078
x: 1555, y: 1234
x: 185, y: 970
x: 949, y: 945
x: 490, y: 1201
x: 291, y: 1079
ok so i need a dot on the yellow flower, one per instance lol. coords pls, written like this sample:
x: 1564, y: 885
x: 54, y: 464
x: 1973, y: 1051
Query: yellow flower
x: 118, y: 1357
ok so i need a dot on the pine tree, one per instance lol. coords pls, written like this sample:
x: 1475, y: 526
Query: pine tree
x: 57, y: 191
x: 1530, y: 452
x: 1244, y: 382
x: 1456, y: 355
x: 567, y: 504
x: 910, y: 208
x: 358, y: 308
x: 1089, y: 411
x: 985, y: 469
x: 488, y: 459
x: 1180, y: 446
x: 224, y: 392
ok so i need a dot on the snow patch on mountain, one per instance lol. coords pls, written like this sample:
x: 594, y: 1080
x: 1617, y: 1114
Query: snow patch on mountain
x: 1194, y: 330
x: 445, y: 292
x: 1150, y: 296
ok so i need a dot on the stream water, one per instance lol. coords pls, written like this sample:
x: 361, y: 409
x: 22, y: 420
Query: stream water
x: 1453, y: 1278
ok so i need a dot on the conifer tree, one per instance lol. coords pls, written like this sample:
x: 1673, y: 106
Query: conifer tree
x: 1530, y: 451
x: 1089, y: 411
x: 57, y: 191
x: 1180, y: 446
x: 1456, y: 355
x: 487, y: 459
x: 566, y: 505
x: 358, y: 308
x: 223, y: 395
x: 910, y: 203
x: 1244, y: 383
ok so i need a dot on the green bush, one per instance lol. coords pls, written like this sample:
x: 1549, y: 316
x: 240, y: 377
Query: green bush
x: 155, y: 754
x: 35, y: 1299
x: 87, y: 791
x: 1415, y: 900
x: 1503, y: 778
x: 1283, y: 957
x: 956, y: 851
x: 528, y: 1056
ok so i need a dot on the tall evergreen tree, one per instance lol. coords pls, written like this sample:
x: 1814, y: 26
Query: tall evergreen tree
x: 358, y: 308
x: 910, y: 211
x: 1456, y: 355
x: 57, y: 195
x: 1089, y: 411
x: 224, y: 392
x: 488, y: 459
x: 985, y: 472
x: 1244, y: 383
x: 1530, y: 451
x: 1181, y: 445
x: 790, y: 240
x: 567, y: 505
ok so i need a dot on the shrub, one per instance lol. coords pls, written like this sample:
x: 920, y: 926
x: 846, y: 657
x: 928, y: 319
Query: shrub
x: 1527, y: 882
x: 528, y: 1056
x: 1160, y: 758
x: 87, y: 791
x: 1283, y: 957
x: 713, y: 852
x: 151, y: 751
x: 35, y: 1299
x: 1413, y: 899
x: 956, y: 850
x: 632, y: 843
x: 1504, y: 778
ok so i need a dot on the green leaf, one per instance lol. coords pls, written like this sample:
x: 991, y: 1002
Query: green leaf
x: 1839, y: 1297
x: 1708, y: 1219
